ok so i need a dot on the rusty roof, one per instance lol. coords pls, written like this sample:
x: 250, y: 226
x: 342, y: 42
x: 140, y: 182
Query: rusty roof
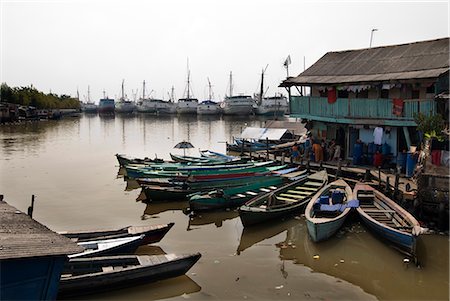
x: 22, y: 237
x: 419, y: 60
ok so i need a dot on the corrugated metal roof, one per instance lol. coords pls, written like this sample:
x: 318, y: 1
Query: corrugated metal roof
x: 22, y: 237
x: 263, y: 133
x: 419, y: 60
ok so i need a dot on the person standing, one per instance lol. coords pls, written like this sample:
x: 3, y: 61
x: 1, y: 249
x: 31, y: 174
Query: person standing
x: 318, y: 152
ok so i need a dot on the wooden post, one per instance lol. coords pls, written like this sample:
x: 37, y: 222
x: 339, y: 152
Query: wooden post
x: 339, y: 170
x: 30, y: 209
x: 242, y: 147
x: 307, y: 166
x: 379, y: 177
x: 267, y: 148
x: 321, y: 165
x: 396, y: 183
x: 282, y: 158
x: 388, y: 188
x: 367, y: 176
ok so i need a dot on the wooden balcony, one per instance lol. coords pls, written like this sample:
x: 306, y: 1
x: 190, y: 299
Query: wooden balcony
x: 359, y: 110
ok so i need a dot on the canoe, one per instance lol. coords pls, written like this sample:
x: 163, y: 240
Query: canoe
x: 92, y: 275
x: 151, y: 234
x: 114, y: 246
x: 233, y: 197
x: 127, y: 160
x: 328, y: 209
x: 190, y: 159
x: 212, y: 154
x: 165, y: 192
x: 283, y: 201
x: 387, y: 219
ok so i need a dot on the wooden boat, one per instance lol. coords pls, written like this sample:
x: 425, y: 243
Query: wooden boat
x: 190, y: 159
x: 328, y: 209
x: 113, y: 246
x: 164, y: 192
x: 387, y: 219
x: 151, y: 234
x: 92, y: 275
x: 282, y: 201
x: 126, y: 160
x: 232, y: 197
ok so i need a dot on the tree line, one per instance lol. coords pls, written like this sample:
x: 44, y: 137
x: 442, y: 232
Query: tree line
x: 30, y: 96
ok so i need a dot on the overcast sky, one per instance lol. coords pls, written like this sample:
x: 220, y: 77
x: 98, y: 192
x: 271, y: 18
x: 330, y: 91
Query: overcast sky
x: 65, y: 45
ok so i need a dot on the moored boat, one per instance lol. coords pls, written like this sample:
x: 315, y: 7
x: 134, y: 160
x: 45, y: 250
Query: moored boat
x: 127, y: 160
x: 113, y: 246
x: 285, y: 200
x: 328, y: 209
x: 151, y: 234
x: 106, y: 105
x: 208, y: 107
x: 93, y: 275
x: 387, y: 219
x: 233, y: 197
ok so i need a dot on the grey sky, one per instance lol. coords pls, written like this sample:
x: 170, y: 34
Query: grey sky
x: 62, y: 45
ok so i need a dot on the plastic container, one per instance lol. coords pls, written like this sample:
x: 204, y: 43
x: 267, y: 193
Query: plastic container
x: 410, y: 164
x: 377, y: 159
x: 337, y: 197
x: 401, y: 161
x: 357, y: 153
x: 324, y: 199
x: 385, y: 149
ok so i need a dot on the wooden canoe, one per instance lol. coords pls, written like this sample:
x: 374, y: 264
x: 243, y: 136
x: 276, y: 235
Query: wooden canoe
x: 282, y: 201
x: 387, y: 219
x: 327, y: 210
x: 151, y: 234
x: 115, y: 246
x: 92, y: 275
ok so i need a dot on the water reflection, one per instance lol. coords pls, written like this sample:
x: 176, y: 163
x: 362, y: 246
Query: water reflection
x: 258, y: 233
x: 155, y: 208
x: 214, y: 217
x: 358, y: 257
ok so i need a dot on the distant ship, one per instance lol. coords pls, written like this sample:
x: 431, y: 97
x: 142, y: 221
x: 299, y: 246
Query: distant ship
x: 90, y: 106
x: 209, y: 107
x: 124, y: 105
x: 187, y: 105
x: 237, y: 105
x: 270, y: 106
x: 106, y: 105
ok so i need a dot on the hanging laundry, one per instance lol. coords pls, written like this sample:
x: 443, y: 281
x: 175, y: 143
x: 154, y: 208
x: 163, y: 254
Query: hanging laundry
x: 397, y: 106
x: 332, y: 95
x: 378, y: 135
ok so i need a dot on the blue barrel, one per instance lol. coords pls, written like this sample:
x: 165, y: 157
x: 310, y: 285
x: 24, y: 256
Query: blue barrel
x: 357, y: 153
x: 371, y: 148
x: 385, y: 149
x: 410, y: 164
x: 401, y: 161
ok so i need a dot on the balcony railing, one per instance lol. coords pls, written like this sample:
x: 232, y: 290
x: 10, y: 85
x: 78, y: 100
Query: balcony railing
x: 358, y: 108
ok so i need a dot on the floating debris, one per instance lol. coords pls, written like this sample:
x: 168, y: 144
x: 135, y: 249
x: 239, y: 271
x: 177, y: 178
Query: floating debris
x: 279, y: 287
x: 341, y: 261
x: 316, y: 256
x: 216, y: 261
x: 406, y: 260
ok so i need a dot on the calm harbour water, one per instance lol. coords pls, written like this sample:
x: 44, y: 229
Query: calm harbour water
x: 71, y: 168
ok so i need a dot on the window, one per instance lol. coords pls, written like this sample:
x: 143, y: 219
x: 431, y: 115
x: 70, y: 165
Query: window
x: 342, y: 94
x: 384, y: 93
x: 415, y: 94
x: 323, y: 93
x: 430, y: 89
x: 362, y: 94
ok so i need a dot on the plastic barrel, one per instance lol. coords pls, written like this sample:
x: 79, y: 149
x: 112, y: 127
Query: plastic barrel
x: 410, y: 164
x: 357, y: 153
x: 377, y: 159
x: 401, y: 160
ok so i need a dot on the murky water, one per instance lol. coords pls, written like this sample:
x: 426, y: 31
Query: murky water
x: 70, y: 166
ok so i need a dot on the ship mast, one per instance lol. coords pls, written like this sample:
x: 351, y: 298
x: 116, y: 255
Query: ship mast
x: 143, y: 89
x: 231, y: 83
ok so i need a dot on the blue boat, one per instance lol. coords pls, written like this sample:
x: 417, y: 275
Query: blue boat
x: 327, y: 210
x: 387, y: 219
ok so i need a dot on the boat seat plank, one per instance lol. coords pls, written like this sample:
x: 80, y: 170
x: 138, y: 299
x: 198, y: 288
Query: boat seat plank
x: 272, y: 187
x: 317, y: 184
x: 379, y: 210
x: 286, y: 199
x: 264, y: 189
x: 240, y: 195
x: 305, y: 188
x: 251, y: 193
x: 292, y: 196
x: 300, y: 192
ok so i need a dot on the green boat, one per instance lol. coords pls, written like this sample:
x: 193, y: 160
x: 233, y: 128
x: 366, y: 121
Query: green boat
x: 155, y: 192
x: 235, y: 196
x: 285, y: 200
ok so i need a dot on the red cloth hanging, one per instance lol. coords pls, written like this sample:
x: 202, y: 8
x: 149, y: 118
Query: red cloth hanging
x: 397, y: 106
x: 332, y: 95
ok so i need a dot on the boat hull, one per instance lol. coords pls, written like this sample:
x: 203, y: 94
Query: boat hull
x: 124, y: 277
x: 251, y: 216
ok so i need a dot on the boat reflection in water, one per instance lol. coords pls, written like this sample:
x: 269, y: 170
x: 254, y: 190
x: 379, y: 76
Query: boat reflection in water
x: 358, y: 257
x: 155, y: 208
x: 253, y: 235
x: 214, y: 217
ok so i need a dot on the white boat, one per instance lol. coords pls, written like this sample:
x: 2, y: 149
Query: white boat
x: 209, y: 107
x: 124, y: 105
x: 273, y: 106
x: 237, y: 105
x: 115, y: 246
x: 89, y: 106
x: 187, y: 105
